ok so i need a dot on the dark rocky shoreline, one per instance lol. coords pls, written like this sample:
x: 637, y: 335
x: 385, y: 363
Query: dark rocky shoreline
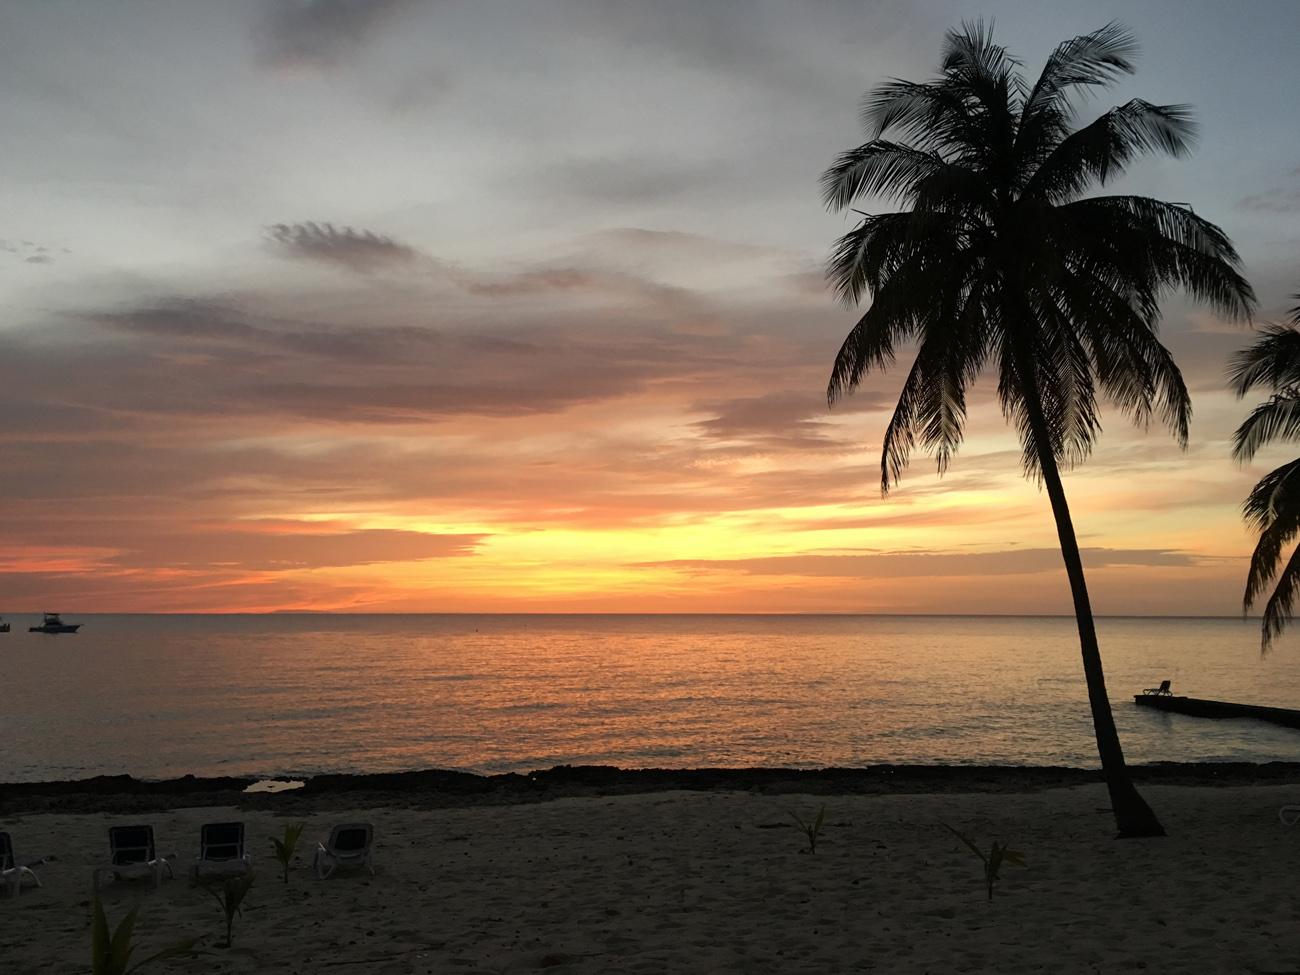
x: 435, y: 788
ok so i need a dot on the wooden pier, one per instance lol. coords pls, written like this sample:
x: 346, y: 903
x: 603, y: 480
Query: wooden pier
x: 1199, y: 708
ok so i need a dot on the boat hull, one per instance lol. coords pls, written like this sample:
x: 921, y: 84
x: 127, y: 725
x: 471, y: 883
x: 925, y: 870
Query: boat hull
x: 64, y: 628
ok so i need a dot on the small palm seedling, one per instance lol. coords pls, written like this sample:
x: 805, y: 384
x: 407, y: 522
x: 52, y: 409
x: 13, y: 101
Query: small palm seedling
x: 285, y: 848
x: 230, y: 893
x: 812, y: 830
x: 993, y: 860
x: 110, y: 951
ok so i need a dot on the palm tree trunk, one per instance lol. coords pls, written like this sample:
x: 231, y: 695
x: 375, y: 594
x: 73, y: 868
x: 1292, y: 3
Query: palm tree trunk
x: 1132, y: 814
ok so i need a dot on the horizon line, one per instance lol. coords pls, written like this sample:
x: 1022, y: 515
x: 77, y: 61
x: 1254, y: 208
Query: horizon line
x: 846, y: 613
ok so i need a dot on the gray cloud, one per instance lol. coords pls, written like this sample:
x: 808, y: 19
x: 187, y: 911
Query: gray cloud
x: 642, y: 240
x: 357, y: 250
x: 1280, y: 200
x: 182, y: 326
x: 459, y: 342
x: 633, y: 180
x: 757, y: 43
x: 577, y: 281
x: 779, y: 419
x: 319, y: 33
x: 420, y: 90
x: 28, y: 251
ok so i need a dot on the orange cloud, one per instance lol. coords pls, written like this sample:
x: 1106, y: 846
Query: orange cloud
x: 609, y: 431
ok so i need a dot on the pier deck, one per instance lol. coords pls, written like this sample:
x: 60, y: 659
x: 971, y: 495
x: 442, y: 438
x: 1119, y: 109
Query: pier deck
x: 1200, y: 708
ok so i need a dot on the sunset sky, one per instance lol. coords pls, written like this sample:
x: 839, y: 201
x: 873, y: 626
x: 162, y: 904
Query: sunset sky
x: 449, y: 306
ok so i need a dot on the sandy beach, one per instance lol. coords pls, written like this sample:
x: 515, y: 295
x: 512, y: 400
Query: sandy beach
x: 711, y: 882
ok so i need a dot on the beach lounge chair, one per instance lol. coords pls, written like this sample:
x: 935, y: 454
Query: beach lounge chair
x: 14, y: 870
x: 348, y: 846
x: 132, y: 854
x: 221, y: 851
x: 1161, y: 691
x: 1290, y: 815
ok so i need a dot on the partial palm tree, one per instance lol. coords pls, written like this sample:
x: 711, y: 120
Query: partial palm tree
x: 996, y: 258
x: 1273, y: 506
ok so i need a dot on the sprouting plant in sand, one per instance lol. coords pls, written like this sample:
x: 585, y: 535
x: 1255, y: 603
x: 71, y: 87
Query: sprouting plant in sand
x: 230, y: 893
x: 285, y: 847
x: 998, y: 854
x: 812, y: 830
x: 110, y: 951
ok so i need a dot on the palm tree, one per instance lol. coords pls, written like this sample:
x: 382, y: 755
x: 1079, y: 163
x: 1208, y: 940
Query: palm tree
x: 1273, y: 506
x: 997, y: 258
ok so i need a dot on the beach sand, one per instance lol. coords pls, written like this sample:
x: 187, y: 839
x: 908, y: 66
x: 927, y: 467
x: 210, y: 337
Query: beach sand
x: 711, y: 882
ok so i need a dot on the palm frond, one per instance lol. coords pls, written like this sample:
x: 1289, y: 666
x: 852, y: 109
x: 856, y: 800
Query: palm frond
x: 1274, y: 493
x: 900, y: 434
x: 1279, y: 609
x: 1065, y: 380
x: 1102, y: 150
x: 931, y: 409
x: 1141, y: 243
x: 1272, y: 362
x: 982, y: 69
x: 1096, y: 59
x: 878, y: 168
x: 1277, y: 418
x: 1273, y: 510
x: 1136, y: 372
x: 930, y: 114
x: 970, y: 52
x: 952, y: 350
x: 869, y: 345
x: 870, y: 254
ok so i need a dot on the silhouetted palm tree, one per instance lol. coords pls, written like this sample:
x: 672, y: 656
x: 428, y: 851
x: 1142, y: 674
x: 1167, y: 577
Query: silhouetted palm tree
x: 997, y: 258
x: 1273, y: 506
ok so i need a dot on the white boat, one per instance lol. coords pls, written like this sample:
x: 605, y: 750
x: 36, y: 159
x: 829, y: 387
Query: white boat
x: 53, y: 623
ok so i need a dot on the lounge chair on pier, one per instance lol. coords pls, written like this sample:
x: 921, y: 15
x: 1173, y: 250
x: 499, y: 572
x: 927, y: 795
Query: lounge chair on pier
x: 1161, y: 691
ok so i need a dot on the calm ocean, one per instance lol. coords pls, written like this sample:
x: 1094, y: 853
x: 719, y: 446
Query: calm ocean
x: 161, y: 696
